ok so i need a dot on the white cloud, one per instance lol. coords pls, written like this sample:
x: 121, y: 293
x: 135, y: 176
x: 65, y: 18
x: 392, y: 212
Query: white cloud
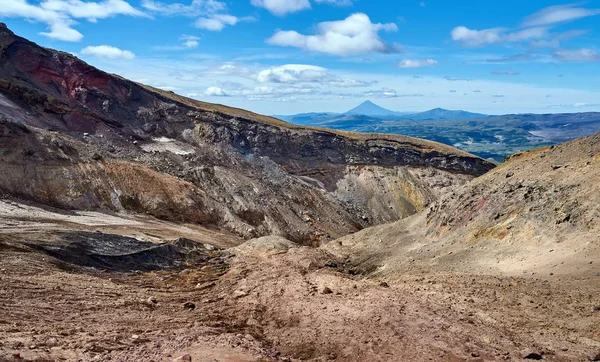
x: 335, y: 2
x: 351, y: 36
x: 535, y: 29
x: 189, y: 41
x: 211, y: 14
x: 59, y: 15
x: 216, y: 22
x: 291, y: 73
x: 302, y: 73
x: 509, y: 72
x: 61, y: 30
x: 196, y: 8
x: 526, y: 35
x: 282, y: 7
x: 559, y: 14
x: 416, y: 63
x: 108, y: 52
x: 381, y: 93
x: 215, y: 92
x: 578, y: 55
x: 91, y: 10
x: 477, y: 38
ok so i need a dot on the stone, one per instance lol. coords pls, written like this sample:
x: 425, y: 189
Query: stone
x: 52, y: 342
x: 327, y: 290
x: 510, y: 174
x: 238, y: 294
x: 184, y: 358
x: 475, y: 354
x: 384, y: 285
x: 189, y: 305
x: 594, y: 356
x: 532, y: 355
x: 152, y: 300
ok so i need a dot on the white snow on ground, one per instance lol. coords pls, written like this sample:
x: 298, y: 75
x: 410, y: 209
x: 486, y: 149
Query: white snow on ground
x: 164, y: 144
x: 15, y: 217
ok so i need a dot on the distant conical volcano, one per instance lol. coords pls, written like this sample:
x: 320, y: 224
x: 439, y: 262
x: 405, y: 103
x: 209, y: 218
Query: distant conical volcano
x: 369, y: 108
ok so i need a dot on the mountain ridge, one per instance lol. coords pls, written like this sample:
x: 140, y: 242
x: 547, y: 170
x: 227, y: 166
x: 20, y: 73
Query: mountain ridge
x: 88, y: 125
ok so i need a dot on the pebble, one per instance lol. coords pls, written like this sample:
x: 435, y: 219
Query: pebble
x: 594, y: 356
x: 52, y: 342
x: 239, y: 294
x: 384, y: 285
x: 189, y: 305
x: 532, y: 355
x: 327, y: 290
x: 152, y: 300
x: 184, y: 358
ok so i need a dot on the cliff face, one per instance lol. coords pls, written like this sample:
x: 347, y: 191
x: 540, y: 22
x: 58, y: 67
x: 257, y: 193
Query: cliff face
x: 93, y: 140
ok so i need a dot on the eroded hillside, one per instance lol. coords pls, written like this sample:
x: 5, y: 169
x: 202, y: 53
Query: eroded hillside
x: 92, y: 140
x: 536, y: 214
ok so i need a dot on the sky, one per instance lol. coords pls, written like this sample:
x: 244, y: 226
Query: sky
x: 294, y: 56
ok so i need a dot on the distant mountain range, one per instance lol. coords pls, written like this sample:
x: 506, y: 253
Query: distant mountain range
x: 491, y: 137
x: 441, y: 113
x: 374, y: 111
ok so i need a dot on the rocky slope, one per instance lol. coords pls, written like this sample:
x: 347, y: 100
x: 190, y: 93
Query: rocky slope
x: 536, y: 214
x: 76, y: 137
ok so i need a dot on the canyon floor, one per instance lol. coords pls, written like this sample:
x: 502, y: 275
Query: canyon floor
x: 263, y: 300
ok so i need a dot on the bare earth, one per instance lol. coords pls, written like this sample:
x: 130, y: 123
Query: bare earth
x: 265, y: 301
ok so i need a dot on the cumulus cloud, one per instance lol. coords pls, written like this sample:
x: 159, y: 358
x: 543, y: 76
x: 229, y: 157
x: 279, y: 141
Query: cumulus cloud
x: 215, y: 92
x: 108, y: 52
x: 559, y: 14
x: 60, y: 15
x: 282, y: 7
x: 476, y: 38
x: 216, y: 22
x: 291, y: 73
x: 352, y: 36
x: 416, y: 63
x: 302, y: 73
x: 578, y: 55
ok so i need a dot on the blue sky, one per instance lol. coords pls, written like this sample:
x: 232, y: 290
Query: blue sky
x: 292, y: 56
